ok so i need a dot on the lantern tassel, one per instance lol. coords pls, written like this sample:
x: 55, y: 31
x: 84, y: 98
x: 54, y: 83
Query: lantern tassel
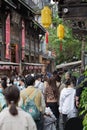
x: 61, y: 46
x: 47, y: 40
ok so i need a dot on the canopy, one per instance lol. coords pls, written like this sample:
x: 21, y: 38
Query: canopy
x: 68, y: 64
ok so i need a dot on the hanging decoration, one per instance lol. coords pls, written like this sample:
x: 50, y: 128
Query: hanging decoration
x: 60, y: 34
x: 47, y: 37
x: 46, y: 17
x: 60, y: 31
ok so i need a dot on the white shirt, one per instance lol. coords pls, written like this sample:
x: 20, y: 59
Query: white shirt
x: 67, y: 100
x: 39, y: 85
x: 22, y: 121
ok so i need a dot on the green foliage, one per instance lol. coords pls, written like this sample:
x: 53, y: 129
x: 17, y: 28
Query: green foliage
x: 83, y: 105
x: 70, y: 46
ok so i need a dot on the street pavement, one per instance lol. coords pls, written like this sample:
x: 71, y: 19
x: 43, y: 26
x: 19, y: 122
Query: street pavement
x: 60, y: 122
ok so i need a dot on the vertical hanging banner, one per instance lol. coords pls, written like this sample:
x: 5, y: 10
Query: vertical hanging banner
x: 46, y: 37
x: 47, y: 41
x: 7, y: 56
x: 23, y: 39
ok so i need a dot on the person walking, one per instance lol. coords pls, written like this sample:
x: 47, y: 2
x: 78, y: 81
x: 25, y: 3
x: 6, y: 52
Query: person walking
x: 2, y: 99
x: 51, y: 97
x: 38, y: 99
x: 21, y: 85
x: 67, y: 101
x: 13, y: 117
x: 3, y: 85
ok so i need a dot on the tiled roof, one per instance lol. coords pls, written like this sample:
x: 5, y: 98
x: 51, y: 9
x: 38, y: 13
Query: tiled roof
x: 32, y: 5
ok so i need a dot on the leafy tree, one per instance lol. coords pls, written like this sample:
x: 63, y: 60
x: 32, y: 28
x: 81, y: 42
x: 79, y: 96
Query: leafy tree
x: 70, y: 46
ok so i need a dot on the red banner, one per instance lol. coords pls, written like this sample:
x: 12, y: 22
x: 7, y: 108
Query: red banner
x: 46, y: 36
x: 23, y: 39
x: 7, y: 56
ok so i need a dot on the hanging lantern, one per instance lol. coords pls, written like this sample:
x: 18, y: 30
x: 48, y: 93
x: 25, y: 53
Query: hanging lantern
x: 46, y: 17
x: 60, y: 31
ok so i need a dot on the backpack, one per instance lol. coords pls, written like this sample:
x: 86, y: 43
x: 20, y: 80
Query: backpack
x: 31, y: 108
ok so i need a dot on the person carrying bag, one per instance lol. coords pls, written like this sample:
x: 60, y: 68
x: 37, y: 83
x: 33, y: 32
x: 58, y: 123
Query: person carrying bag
x: 32, y: 95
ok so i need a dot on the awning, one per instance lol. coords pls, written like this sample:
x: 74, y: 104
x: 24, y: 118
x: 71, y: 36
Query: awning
x: 68, y: 64
x: 38, y: 24
x: 10, y: 3
x: 33, y: 64
x: 8, y: 63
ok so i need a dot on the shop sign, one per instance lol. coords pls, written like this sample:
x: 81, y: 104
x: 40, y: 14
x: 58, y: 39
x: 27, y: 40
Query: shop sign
x: 23, y: 39
x: 7, y: 56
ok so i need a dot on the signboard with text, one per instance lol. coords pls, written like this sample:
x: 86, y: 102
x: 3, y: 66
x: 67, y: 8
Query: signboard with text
x: 7, y: 56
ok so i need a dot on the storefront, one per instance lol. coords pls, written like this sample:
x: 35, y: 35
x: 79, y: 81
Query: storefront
x: 15, y: 37
x: 19, y: 37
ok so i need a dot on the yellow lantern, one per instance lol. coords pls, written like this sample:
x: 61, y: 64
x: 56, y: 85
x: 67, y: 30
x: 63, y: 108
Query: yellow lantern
x: 60, y: 31
x: 46, y: 17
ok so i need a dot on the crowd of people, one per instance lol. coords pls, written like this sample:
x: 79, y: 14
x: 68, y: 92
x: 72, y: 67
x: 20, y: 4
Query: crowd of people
x: 55, y: 96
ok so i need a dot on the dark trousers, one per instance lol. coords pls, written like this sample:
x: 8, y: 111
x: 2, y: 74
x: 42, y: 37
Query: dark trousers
x: 64, y: 116
x: 40, y: 122
x: 54, y: 108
